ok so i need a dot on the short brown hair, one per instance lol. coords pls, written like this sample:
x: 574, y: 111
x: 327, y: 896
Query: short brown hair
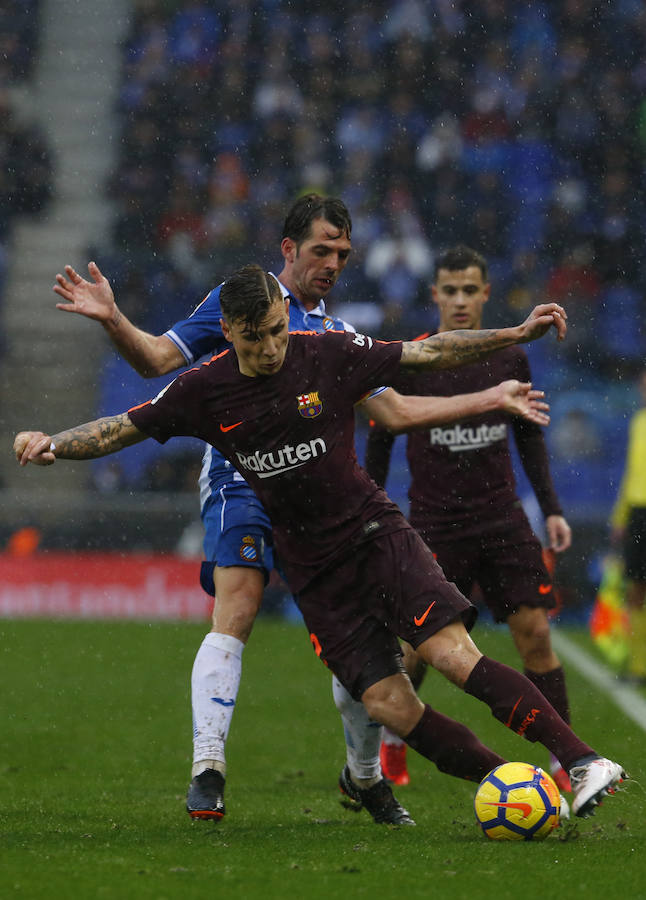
x: 461, y: 257
x: 247, y: 295
x: 309, y: 207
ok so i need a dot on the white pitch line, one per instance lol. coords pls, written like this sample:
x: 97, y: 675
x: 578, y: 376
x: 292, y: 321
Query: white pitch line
x: 627, y: 699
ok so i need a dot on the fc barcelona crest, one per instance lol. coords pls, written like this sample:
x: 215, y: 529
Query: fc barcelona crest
x: 309, y: 405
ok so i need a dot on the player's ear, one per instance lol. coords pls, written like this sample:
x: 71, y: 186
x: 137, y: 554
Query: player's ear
x: 486, y: 292
x: 434, y: 293
x: 226, y: 331
x: 288, y: 249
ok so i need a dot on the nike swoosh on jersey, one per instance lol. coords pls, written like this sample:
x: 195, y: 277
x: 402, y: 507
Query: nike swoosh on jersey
x: 544, y: 588
x: 420, y: 621
x: 226, y: 428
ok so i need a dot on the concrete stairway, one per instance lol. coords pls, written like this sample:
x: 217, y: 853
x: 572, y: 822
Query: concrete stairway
x: 48, y: 372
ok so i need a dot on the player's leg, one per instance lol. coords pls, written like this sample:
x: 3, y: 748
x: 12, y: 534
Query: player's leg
x: 362, y: 737
x: 217, y: 668
x: 215, y: 680
x: 530, y: 629
x: 361, y: 782
x: 392, y: 752
x: 520, y: 706
x: 432, y: 615
x: 517, y: 589
x: 350, y: 637
x: 450, y: 745
x: 244, y: 558
x: 458, y: 560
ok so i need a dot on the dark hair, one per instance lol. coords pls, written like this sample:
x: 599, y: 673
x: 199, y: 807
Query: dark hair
x: 247, y: 295
x: 461, y: 257
x: 298, y: 223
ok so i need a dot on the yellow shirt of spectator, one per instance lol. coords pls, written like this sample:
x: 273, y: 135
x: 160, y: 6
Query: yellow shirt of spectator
x: 632, y: 491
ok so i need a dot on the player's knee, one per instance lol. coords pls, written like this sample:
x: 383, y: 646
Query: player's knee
x: 414, y: 665
x: 393, y: 704
x: 540, y: 636
x: 452, y: 652
x: 532, y: 634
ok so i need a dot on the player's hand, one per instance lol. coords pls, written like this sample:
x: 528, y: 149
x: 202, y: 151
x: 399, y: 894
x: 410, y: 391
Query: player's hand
x: 541, y: 319
x: 93, y: 299
x: 518, y: 398
x: 559, y: 533
x: 33, y: 447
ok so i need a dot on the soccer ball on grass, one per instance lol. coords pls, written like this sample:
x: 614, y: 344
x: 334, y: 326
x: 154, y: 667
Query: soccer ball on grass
x: 517, y: 802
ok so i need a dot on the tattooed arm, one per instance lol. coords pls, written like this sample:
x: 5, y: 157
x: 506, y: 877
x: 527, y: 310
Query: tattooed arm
x: 98, y: 438
x: 454, y: 348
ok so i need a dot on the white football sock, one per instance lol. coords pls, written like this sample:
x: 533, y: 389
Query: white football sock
x: 362, y: 737
x: 214, y: 689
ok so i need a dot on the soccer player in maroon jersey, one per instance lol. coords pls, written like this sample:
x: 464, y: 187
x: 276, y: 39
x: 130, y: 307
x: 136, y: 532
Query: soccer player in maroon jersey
x: 281, y: 408
x: 238, y: 542
x: 463, y: 500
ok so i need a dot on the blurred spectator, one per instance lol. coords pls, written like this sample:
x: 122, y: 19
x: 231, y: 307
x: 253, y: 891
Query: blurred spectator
x: 575, y: 437
x: 19, y: 26
x: 26, y: 164
x: 399, y: 262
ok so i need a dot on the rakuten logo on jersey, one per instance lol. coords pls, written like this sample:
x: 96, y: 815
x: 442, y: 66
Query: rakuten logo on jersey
x: 277, y: 462
x: 464, y: 438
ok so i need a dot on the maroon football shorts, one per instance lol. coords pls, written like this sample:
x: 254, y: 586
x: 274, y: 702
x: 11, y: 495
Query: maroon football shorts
x: 505, y: 561
x: 386, y: 587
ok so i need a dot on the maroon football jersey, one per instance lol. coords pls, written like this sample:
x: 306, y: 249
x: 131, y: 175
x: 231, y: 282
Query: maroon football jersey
x: 291, y: 435
x: 461, y: 474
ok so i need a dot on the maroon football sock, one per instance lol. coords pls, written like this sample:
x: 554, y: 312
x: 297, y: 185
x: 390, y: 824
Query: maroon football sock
x: 552, y: 687
x: 520, y: 706
x: 452, y: 747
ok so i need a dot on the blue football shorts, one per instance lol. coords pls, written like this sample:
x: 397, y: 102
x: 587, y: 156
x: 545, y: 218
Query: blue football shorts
x: 237, y: 532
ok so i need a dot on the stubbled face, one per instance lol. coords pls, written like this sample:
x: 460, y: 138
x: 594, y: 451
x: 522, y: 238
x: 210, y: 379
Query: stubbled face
x: 460, y: 296
x: 313, y: 266
x: 261, y: 352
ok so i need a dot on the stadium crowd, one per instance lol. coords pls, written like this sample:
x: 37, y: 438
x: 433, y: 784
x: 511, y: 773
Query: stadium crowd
x: 529, y: 148
x: 516, y: 129
x: 25, y: 157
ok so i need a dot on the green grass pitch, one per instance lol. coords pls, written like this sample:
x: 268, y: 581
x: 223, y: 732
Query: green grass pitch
x: 95, y: 760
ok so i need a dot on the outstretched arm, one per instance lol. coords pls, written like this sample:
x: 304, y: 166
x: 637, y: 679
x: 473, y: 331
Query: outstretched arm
x: 400, y: 413
x: 98, y: 438
x: 455, y: 348
x: 148, y: 354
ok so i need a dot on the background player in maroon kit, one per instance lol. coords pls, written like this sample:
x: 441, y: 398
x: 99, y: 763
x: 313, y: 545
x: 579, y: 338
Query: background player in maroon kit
x: 365, y: 577
x: 463, y: 500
